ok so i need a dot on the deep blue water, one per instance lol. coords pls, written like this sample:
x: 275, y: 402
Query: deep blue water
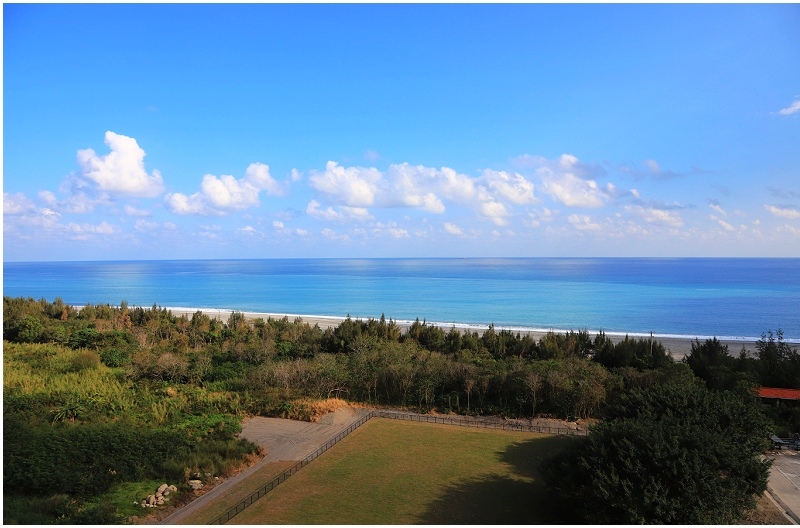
x: 734, y: 298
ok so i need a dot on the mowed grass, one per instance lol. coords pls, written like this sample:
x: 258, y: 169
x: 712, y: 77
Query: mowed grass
x: 398, y: 472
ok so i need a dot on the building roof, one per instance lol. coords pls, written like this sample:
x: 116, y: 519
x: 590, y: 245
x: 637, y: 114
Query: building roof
x: 780, y: 394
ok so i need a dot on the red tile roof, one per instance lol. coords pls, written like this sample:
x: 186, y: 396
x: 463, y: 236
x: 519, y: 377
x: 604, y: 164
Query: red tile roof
x: 781, y: 394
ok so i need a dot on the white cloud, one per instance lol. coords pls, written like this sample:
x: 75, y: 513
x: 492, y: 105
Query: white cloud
x: 398, y: 233
x: 16, y: 204
x: 783, y: 212
x: 516, y: 189
x: 573, y: 191
x: 224, y: 194
x: 122, y: 170
x: 404, y: 185
x: 300, y: 232
x: 716, y: 207
x: 583, y: 223
x: 725, y: 225
x: 564, y: 182
x: 257, y: 175
x: 412, y: 186
x: 792, y: 230
x: 146, y: 226
x: 248, y: 230
x: 331, y: 234
x: 653, y: 215
x: 453, y: 229
x: 653, y: 166
x: 82, y: 231
x: 277, y: 224
x: 343, y: 214
x: 494, y: 211
x: 791, y: 109
x: 535, y: 219
x: 352, y: 186
x: 132, y: 211
x: 48, y: 197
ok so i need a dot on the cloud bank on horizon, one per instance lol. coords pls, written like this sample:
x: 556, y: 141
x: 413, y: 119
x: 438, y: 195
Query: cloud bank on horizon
x: 713, y: 179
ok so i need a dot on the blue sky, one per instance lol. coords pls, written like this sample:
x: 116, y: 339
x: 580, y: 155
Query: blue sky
x: 149, y: 131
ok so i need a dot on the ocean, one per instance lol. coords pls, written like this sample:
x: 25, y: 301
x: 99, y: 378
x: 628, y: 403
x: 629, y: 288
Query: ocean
x: 730, y: 298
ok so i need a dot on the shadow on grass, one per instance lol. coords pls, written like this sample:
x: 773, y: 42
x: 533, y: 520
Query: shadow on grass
x: 497, y: 499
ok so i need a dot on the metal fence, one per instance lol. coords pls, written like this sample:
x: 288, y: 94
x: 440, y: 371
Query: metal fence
x: 485, y: 424
x: 394, y: 415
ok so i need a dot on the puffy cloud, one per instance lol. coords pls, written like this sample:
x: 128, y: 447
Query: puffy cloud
x: 248, y: 230
x: 221, y: 195
x: 352, y: 186
x: 412, y: 186
x: 783, y: 212
x: 420, y: 187
x: 16, y: 204
x: 122, y: 170
x: 453, y: 229
x: 573, y: 191
x: 257, y: 175
x: 277, y: 224
x: 566, y: 181
x: 494, y: 211
x: 516, y: 189
x: 791, y: 109
x: 398, y: 233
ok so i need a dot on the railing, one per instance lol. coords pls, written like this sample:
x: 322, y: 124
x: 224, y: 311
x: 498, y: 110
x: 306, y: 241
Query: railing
x: 454, y: 420
x: 394, y: 415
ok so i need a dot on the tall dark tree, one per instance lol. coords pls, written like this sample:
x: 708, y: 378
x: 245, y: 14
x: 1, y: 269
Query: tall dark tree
x: 779, y: 364
x: 666, y: 455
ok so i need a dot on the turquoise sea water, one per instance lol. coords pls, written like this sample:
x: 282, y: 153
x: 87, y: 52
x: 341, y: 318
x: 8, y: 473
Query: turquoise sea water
x: 731, y: 298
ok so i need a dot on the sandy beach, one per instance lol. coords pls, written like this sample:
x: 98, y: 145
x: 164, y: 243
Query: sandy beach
x: 677, y: 346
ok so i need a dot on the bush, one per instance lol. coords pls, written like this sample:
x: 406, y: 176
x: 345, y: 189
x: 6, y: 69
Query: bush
x: 85, y: 338
x: 115, y: 357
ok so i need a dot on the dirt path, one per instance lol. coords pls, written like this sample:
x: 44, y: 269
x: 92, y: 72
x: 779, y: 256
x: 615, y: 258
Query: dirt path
x: 283, y: 440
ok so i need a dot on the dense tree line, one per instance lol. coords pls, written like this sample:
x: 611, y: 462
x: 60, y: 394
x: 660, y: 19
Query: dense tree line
x: 568, y: 375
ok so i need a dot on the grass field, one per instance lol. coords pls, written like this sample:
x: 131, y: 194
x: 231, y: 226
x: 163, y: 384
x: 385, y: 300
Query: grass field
x: 396, y: 472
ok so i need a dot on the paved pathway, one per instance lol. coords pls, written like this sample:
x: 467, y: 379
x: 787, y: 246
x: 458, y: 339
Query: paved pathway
x: 283, y: 440
x: 784, y: 481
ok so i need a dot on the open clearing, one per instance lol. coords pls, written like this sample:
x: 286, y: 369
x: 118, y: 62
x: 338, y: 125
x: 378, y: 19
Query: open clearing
x: 395, y: 472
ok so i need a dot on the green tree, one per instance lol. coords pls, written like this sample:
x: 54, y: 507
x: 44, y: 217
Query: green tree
x: 666, y: 455
x: 779, y: 364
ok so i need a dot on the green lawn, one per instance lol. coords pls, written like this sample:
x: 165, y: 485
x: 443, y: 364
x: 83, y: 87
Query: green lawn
x: 397, y: 472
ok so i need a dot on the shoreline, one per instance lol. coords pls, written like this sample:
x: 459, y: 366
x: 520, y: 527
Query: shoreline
x: 677, y: 345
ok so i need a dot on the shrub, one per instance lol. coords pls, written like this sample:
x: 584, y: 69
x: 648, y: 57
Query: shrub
x: 115, y: 357
x: 85, y: 338
x: 85, y: 360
